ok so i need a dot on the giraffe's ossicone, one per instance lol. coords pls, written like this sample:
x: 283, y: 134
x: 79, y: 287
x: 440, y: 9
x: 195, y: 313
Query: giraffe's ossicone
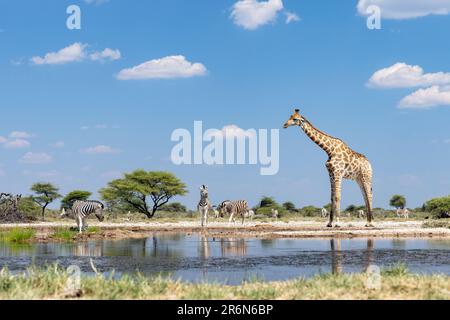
x: 343, y: 163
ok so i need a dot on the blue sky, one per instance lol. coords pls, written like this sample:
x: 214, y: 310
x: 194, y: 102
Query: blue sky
x: 77, y: 124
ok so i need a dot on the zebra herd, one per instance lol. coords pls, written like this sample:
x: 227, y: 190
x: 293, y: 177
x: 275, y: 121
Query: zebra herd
x: 233, y: 209
x: 401, y: 213
x: 81, y: 210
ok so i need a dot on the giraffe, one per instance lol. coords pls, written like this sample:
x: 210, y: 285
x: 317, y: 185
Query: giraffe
x: 343, y: 163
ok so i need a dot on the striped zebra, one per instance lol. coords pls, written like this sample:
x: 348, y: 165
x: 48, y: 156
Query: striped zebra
x: 234, y: 208
x: 83, y: 209
x: 361, y: 214
x: 204, y: 205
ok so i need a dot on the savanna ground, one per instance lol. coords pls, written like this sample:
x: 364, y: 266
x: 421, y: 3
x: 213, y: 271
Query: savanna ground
x: 54, y: 283
x: 51, y: 283
x: 288, y: 226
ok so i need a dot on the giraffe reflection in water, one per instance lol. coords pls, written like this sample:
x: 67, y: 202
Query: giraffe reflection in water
x: 337, y: 257
x: 87, y: 249
x: 233, y: 247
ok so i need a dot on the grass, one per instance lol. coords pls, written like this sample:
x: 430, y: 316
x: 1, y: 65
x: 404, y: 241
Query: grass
x: 442, y: 223
x: 51, y: 283
x: 17, y: 235
x: 64, y: 234
x: 93, y: 229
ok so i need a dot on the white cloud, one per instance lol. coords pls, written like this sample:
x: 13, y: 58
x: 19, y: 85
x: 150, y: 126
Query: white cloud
x: 3, y: 140
x: 17, y: 144
x: 58, y: 145
x: 75, y: 53
x: 406, y: 9
x: 107, y: 54
x: 252, y: 14
x: 72, y: 53
x: 402, y: 75
x: 426, y: 98
x: 232, y: 131
x: 101, y: 149
x: 291, y: 17
x: 164, y: 68
x: 36, y: 158
x: 20, y: 135
x: 435, y: 91
x: 84, y: 128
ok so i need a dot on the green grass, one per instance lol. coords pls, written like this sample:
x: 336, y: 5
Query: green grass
x: 93, y: 229
x: 51, y: 283
x: 64, y: 234
x: 17, y: 235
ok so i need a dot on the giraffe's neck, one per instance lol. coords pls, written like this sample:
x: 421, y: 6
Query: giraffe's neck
x: 323, y: 140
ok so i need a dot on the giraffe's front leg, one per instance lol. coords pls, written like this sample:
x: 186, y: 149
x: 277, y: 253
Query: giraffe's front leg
x: 336, y: 182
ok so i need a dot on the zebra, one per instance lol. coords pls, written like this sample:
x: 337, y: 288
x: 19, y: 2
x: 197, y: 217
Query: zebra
x: 234, y: 208
x: 204, y: 205
x: 361, y: 214
x: 250, y: 214
x: 324, y: 213
x: 216, y: 212
x: 83, y: 209
x: 275, y: 214
x: 403, y: 213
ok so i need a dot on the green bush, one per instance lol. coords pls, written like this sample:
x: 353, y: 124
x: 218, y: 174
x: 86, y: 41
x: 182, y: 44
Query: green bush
x: 28, y: 207
x: 174, y: 207
x: 268, y: 202
x: 310, y: 211
x: 439, y: 207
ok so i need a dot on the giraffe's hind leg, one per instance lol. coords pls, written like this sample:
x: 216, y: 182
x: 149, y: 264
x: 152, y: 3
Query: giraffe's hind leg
x: 365, y: 183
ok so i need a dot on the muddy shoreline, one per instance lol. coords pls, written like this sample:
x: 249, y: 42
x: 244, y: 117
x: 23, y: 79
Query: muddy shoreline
x: 296, y: 229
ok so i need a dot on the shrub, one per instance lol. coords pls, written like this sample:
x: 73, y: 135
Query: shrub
x: 440, y: 207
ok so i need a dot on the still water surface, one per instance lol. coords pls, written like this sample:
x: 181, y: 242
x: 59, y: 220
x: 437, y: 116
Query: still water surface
x: 201, y: 259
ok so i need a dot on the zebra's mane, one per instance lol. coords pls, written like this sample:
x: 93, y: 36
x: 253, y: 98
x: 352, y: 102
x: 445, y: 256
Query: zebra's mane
x: 93, y: 201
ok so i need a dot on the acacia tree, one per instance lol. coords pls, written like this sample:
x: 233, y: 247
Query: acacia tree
x: 71, y: 197
x: 398, y: 202
x: 289, y: 206
x: 45, y: 193
x: 145, y: 191
x: 268, y: 202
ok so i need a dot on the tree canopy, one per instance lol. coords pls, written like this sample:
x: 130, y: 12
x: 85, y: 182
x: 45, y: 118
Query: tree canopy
x: 44, y: 194
x: 289, y: 206
x: 439, y: 206
x: 268, y: 202
x: 71, y: 197
x: 398, y: 202
x: 145, y: 191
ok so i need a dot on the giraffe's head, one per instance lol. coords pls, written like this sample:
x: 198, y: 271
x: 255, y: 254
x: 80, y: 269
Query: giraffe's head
x: 294, y: 120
